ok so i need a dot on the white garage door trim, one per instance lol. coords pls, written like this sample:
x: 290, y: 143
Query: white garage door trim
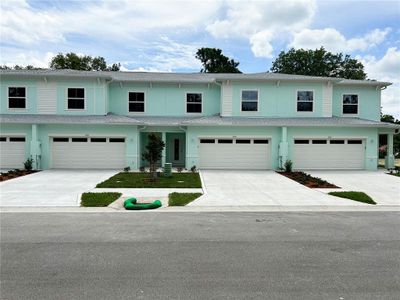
x: 333, y: 153
x: 94, y: 152
x: 225, y: 152
x: 12, y: 151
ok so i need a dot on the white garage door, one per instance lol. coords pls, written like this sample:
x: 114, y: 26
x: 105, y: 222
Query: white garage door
x: 12, y: 152
x: 239, y: 153
x: 329, y: 154
x: 88, y: 153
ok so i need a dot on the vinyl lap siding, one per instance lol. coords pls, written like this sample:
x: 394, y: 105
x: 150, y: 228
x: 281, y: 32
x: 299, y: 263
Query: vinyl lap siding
x: 46, y: 98
x: 226, y: 100
x: 327, y: 100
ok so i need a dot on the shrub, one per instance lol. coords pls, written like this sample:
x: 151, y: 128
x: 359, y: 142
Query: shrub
x: 179, y: 169
x: 28, y: 164
x: 127, y: 169
x: 193, y: 169
x: 142, y: 169
x: 288, y: 166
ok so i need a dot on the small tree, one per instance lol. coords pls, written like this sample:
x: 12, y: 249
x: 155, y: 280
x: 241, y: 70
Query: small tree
x: 153, y: 153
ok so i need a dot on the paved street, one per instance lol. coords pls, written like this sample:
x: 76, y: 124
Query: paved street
x: 299, y: 255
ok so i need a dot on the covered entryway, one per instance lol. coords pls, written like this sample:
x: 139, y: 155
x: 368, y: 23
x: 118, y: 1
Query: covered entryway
x: 12, y: 152
x: 234, y: 153
x: 334, y: 153
x: 88, y: 153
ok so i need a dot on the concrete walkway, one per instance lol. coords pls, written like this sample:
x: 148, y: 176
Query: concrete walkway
x: 261, y: 188
x: 51, y: 187
x: 383, y: 188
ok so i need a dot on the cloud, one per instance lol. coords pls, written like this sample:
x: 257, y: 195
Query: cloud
x: 334, y: 41
x: 12, y: 56
x: 386, y: 69
x: 261, y: 21
x: 261, y: 44
x: 115, y: 20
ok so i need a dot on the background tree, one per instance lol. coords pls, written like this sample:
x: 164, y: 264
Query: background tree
x: 84, y: 63
x: 153, y: 153
x: 214, y: 61
x: 318, y: 62
x: 383, y: 138
x: 18, y: 67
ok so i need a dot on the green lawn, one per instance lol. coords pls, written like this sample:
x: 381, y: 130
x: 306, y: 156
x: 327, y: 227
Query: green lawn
x: 141, y: 180
x: 98, y: 199
x: 356, y: 196
x: 181, y: 199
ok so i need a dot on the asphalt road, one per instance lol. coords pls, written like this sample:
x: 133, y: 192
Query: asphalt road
x: 314, y: 255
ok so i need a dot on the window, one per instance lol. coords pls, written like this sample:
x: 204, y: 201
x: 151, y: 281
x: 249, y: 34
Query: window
x: 98, y: 140
x: 117, y: 140
x: 3, y: 139
x: 242, y: 141
x: 176, y: 149
x: 225, y: 141
x: 61, y: 140
x: 354, y: 142
x: 17, y: 97
x: 249, y: 100
x: 193, y: 103
x: 337, y: 142
x: 207, y: 141
x: 260, y: 142
x: 136, y: 102
x: 350, y: 104
x: 76, y: 98
x: 79, y: 140
x: 301, y: 141
x: 305, y: 101
x: 319, y: 142
x: 17, y: 139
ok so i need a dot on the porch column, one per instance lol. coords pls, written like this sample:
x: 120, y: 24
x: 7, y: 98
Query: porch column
x: 283, y: 148
x: 164, y: 139
x: 35, y: 150
x: 389, y: 159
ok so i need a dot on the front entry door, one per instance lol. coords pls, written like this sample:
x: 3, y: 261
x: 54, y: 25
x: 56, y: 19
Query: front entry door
x: 177, y: 150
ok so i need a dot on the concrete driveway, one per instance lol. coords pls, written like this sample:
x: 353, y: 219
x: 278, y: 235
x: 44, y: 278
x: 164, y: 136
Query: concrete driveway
x: 50, y: 187
x: 383, y: 188
x: 245, y: 188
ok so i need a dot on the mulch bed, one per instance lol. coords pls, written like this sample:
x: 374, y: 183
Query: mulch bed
x: 309, y: 181
x: 15, y: 173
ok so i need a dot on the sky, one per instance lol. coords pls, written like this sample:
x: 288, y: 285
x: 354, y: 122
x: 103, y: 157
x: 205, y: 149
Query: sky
x: 164, y: 35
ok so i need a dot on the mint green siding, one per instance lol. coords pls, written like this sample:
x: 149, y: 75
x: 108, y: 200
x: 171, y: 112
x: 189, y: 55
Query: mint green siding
x: 163, y: 99
x: 277, y: 101
x: 31, y: 98
x: 369, y: 101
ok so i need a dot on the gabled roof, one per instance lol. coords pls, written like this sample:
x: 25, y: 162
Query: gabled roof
x: 112, y: 119
x: 184, y: 77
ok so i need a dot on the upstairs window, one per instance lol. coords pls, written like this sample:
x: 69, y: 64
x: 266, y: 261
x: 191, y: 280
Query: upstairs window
x: 194, y: 103
x: 17, y: 97
x: 350, y: 104
x: 305, y: 101
x: 249, y: 100
x: 76, y: 98
x: 136, y: 102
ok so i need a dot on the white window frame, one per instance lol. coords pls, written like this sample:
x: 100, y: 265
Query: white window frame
x: 241, y: 101
x: 84, y: 99
x: 358, y: 105
x: 144, y: 103
x: 313, y: 101
x: 201, y: 103
x: 26, y: 98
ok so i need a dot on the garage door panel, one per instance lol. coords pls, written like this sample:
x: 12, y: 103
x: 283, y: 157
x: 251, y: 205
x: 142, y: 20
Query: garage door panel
x: 329, y: 156
x: 90, y: 155
x: 12, y: 154
x: 234, y: 156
